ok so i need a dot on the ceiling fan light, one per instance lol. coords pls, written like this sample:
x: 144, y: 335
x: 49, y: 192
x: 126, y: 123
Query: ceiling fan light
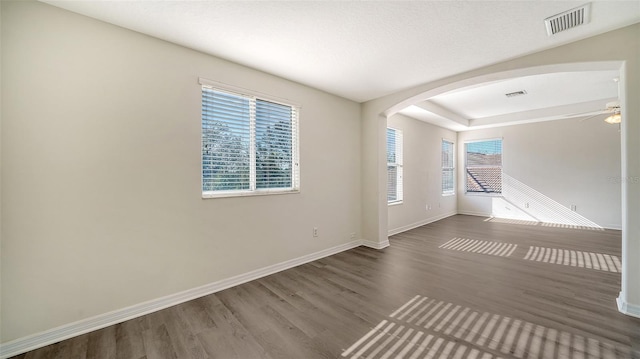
x: 613, y: 119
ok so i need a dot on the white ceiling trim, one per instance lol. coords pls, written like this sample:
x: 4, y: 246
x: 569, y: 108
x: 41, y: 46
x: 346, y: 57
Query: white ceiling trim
x: 442, y: 112
x: 582, y: 109
x: 425, y: 92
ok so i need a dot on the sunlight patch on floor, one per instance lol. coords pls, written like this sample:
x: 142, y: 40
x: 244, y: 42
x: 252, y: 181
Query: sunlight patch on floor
x: 483, y: 247
x: 512, y: 221
x: 543, y: 224
x: 573, y: 258
x: 429, y: 328
x: 385, y: 342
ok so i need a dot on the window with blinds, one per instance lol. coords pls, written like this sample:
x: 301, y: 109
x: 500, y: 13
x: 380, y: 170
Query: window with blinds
x: 249, y: 144
x: 394, y: 165
x: 484, y: 166
x: 448, y: 168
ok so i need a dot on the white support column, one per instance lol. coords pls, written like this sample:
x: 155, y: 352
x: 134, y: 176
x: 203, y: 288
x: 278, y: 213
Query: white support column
x: 629, y: 298
x: 374, y: 181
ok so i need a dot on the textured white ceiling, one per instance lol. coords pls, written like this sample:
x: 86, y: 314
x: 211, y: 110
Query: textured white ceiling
x: 549, y: 96
x: 566, y: 88
x: 359, y: 50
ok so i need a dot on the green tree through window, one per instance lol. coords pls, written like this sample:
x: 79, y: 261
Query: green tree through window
x: 274, y: 145
x: 248, y: 144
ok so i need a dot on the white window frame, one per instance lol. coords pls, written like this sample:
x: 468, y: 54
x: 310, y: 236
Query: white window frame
x: 398, y: 164
x: 451, y: 169
x: 295, y: 151
x: 487, y: 194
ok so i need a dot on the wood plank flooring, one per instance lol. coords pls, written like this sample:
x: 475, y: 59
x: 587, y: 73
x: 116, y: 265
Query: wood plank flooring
x: 426, y: 296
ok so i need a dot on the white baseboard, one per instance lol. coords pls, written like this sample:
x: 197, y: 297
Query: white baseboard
x: 420, y: 223
x: 628, y: 309
x: 375, y: 245
x: 23, y: 345
x: 616, y: 227
x: 478, y: 214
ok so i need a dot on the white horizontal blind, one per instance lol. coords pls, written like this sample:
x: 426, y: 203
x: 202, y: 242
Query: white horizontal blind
x: 275, y: 164
x: 226, y: 138
x: 249, y: 145
x: 448, y: 168
x: 484, y: 166
x: 394, y: 166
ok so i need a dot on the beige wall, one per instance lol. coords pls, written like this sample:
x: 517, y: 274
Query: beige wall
x: 619, y: 48
x: 422, y: 166
x: 551, y: 166
x: 101, y: 172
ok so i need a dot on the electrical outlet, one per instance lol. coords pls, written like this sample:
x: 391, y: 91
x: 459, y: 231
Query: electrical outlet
x: 353, y: 235
x: 574, y: 207
x: 315, y: 231
x: 428, y: 207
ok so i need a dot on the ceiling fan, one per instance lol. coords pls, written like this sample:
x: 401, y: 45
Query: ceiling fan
x: 612, y: 109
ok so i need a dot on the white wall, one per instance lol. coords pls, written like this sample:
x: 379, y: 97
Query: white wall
x: 101, y: 192
x: 551, y: 166
x: 422, y: 166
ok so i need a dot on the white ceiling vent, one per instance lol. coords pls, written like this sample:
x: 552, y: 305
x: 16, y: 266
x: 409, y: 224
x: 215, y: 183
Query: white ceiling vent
x: 517, y: 93
x: 568, y: 19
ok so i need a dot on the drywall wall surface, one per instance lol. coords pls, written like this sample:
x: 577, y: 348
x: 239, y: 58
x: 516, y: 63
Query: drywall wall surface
x: 618, y: 49
x: 422, y: 183
x: 548, y: 167
x: 101, y: 197
x: 374, y: 177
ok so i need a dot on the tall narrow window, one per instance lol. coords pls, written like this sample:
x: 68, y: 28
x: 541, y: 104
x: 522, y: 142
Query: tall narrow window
x: 484, y: 166
x: 394, y: 165
x: 249, y: 144
x: 448, y: 168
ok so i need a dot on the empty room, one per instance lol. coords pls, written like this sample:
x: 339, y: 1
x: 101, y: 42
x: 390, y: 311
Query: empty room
x: 319, y: 179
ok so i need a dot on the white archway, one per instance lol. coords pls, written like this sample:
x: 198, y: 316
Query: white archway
x: 503, y: 75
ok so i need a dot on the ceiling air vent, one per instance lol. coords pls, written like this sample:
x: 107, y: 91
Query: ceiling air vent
x: 517, y: 93
x: 568, y: 19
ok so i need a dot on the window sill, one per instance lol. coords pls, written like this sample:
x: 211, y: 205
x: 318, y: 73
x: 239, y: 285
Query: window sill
x: 394, y: 203
x: 448, y: 194
x: 481, y: 194
x: 210, y: 195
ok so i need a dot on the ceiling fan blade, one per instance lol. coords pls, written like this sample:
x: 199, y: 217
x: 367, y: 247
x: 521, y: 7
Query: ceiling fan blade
x: 585, y: 113
x: 592, y: 116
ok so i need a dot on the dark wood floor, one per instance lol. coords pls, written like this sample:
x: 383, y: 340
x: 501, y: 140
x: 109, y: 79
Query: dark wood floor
x: 457, y: 288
